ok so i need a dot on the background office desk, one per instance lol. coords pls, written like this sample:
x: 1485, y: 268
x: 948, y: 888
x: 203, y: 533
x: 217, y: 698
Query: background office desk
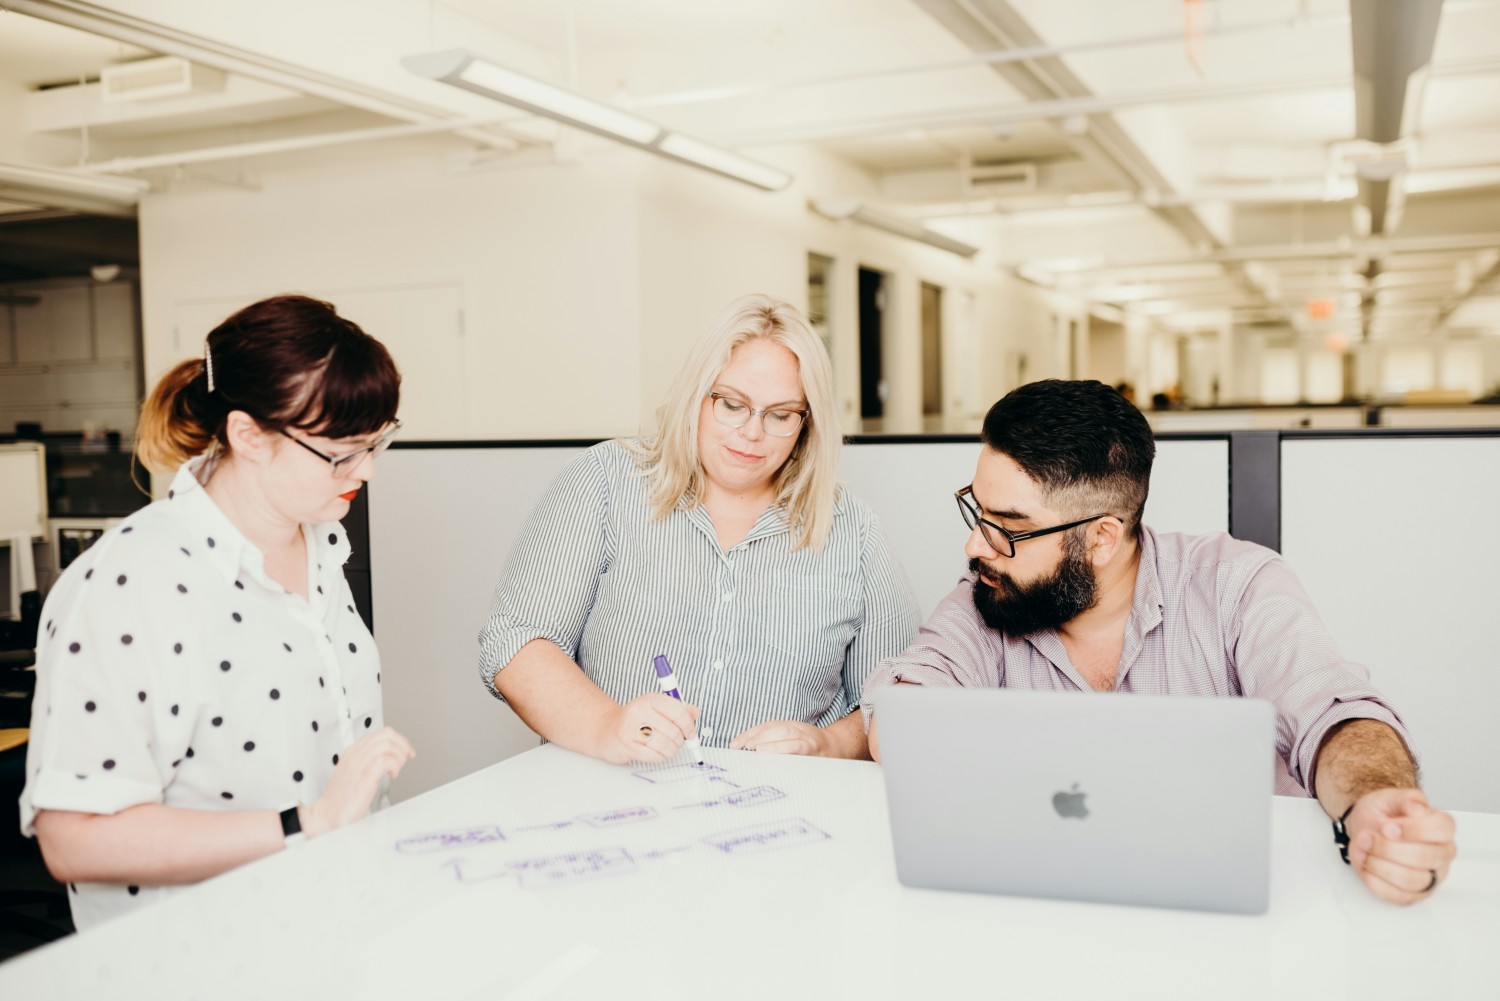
x: 607, y: 885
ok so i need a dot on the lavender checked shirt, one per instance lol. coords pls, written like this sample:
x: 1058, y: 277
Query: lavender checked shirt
x: 1211, y: 616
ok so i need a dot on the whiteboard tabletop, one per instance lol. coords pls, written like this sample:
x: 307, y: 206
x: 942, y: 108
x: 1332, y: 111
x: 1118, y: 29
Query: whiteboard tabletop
x: 551, y: 875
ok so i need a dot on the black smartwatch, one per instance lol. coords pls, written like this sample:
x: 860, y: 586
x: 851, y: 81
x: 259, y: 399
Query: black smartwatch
x: 1341, y: 834
x: 291, y: 827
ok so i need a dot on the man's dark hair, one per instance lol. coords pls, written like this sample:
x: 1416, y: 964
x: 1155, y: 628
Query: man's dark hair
x: 1086, y: 446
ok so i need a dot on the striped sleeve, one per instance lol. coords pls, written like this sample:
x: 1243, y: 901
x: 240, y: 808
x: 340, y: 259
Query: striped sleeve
x: 550, y: 580
x: 890, y: 617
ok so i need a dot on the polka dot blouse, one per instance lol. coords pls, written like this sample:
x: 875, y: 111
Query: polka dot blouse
x: 171, y: 669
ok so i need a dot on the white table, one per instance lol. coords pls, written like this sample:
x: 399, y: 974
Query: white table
x: 783, y: 887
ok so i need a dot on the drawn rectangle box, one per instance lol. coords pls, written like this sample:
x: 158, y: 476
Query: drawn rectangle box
x: 574, y: 867
x: 613, y: 818
x: 768, y: 837
x: 678, y: 773
x: 752, y: 796
x: 442, y: 840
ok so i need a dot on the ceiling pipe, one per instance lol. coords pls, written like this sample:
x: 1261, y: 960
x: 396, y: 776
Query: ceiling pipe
x: 1392, y: 44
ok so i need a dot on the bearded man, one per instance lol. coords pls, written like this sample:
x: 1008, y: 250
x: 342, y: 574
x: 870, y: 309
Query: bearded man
x: 1068, y: 591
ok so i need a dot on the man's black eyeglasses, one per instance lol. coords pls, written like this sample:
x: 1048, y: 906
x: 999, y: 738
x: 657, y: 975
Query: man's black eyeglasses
x: 997, y: 538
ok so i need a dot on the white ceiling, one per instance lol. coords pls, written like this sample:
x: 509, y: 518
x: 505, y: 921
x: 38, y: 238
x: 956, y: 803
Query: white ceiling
x: 1143, y: 167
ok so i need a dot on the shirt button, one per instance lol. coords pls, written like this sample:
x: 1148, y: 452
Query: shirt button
x: 707, y: 731
x: 718, y: 665
x: 727, y: 596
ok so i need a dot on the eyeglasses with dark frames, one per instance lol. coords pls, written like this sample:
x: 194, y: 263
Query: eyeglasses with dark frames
x: 997, y: 538
x: 342, y: 464
x: 779, y: 423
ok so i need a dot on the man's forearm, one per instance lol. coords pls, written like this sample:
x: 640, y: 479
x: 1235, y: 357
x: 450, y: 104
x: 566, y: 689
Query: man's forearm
x: 1357, y: 757
x: 847, y: 737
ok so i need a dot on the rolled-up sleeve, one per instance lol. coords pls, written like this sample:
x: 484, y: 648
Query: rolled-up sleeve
x: 1284, y: 653
x: 953, y: 649
x: 94, y: 724
x: 549, y: 582
x: 890, y: 614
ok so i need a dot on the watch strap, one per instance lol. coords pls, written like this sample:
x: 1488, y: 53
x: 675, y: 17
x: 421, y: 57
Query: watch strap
x: 291, y: 826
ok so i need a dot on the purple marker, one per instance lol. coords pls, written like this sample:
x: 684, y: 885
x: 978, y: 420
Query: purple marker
x: 668, y: 682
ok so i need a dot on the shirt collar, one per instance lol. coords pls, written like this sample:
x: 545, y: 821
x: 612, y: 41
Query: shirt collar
x: 228, y: 551
x: 1145, y: 609
x: 1145, y: 615
x: 213, y: 535
x: 772, y: 521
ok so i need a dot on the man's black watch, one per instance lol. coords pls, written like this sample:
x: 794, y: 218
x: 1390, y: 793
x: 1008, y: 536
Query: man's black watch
x: 1341, y: 834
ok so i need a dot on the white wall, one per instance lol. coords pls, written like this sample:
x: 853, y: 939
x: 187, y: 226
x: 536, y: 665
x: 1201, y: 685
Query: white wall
x: 549, y: 300
x: 542, y: 263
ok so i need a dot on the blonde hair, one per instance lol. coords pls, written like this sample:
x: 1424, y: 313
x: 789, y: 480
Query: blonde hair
x: 807, y: 483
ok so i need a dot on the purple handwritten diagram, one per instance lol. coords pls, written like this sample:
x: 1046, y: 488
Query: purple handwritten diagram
x: 678, y: 773
x: 613, y: 818
x: 551, y: 870
x: 481, y: 853
x: 766, y: 837
x: 560, y: 870
x: 741, y: 797
x: 444, y: 840
x: 605, y: 818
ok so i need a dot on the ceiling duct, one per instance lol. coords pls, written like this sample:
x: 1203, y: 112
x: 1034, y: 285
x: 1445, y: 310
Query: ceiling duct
x: 1392, y: 41
x: 1000, y: 178
x: 152, y: 79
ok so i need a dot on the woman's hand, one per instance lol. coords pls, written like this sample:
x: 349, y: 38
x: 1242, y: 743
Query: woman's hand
x: 356, y: 778
x: 648, y: 728
x: 784, y: 736
x: 844, y: 739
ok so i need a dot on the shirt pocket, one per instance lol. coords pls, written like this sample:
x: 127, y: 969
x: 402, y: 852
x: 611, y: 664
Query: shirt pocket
x: 809, y: 620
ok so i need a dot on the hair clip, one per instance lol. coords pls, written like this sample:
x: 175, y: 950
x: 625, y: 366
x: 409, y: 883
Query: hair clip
x: 208, y: 366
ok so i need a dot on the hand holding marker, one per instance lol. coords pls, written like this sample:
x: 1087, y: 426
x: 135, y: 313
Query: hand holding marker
x: 668, y: 682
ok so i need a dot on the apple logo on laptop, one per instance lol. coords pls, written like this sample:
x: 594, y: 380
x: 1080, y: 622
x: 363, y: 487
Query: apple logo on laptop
x: 1070, y: 803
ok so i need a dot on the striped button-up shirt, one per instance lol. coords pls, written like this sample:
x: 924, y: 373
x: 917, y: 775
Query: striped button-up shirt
x: 1211, y: 616
x: 754, y: 634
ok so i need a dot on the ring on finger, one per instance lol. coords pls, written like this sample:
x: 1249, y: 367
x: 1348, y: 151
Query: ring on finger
x: 1432, y: 884
x: 645, y: 734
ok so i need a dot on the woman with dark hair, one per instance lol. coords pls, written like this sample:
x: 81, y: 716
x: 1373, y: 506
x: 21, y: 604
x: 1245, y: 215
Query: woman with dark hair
x: 206, y: 693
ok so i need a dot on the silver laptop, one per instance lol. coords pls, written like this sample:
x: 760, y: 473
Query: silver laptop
x: 1127, y: 799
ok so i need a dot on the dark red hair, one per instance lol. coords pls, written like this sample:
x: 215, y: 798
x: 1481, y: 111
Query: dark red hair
x: 289, y: 362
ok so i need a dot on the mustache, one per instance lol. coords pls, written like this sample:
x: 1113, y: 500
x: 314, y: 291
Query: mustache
x: 987, y: 573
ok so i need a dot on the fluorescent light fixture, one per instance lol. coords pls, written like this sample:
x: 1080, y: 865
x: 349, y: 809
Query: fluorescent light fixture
x: 51, y: 181
x: 722, y: 161
x: 554, y: 102
x: 460, y: 68
x: 853, y: 208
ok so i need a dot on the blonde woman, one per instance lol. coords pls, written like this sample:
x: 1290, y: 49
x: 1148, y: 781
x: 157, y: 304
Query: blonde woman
x: 723, y: 543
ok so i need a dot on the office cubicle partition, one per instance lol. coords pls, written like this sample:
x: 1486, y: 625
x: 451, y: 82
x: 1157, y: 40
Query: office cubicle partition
x: 442, y: 517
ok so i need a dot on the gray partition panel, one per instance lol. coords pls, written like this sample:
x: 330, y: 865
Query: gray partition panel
x: 1390, y: 537
x: 441, y: 524
x: 443, y: 519
x: 1255, y: 487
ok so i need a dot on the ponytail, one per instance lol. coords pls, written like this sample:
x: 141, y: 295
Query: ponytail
x: 175, y: 422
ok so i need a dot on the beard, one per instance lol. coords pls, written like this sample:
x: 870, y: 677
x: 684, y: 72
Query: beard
x: 1017, y: 610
